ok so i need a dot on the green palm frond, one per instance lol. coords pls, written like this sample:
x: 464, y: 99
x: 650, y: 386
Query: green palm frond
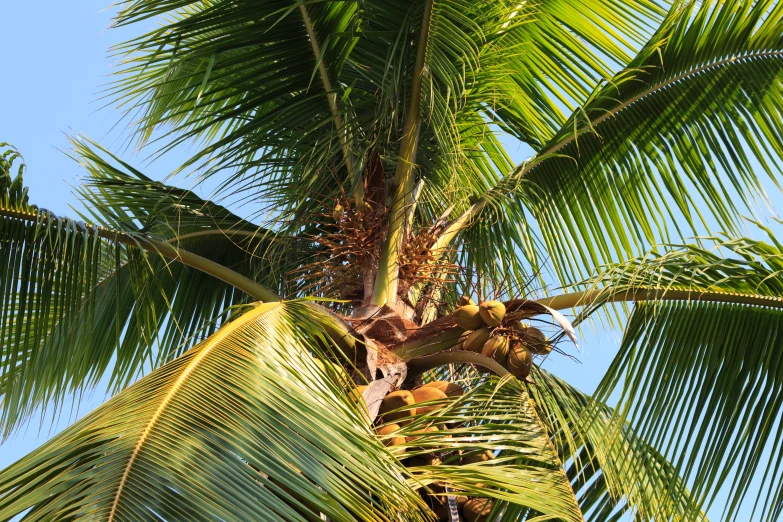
x: 614, y: 472
x: 664, y: 148
x: 79, y: 300
x: 698, y: 373
x: 526, y: 478
x: 243, y: 425
x: 698, y: 103
x: 716, y: 415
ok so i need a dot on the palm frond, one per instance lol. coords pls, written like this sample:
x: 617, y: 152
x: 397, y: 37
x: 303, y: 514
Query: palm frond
x: 665, y: 147
x: 698, y: 373
x: 79, y: 300
x: 612, y: 470
x: 525, y: 479
x: 243, y: 425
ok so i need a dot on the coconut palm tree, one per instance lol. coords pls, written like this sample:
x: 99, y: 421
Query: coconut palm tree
x: 371, y: 217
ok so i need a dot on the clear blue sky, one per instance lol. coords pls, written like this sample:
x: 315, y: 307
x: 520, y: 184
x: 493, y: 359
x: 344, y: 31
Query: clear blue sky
x: 53, y: 68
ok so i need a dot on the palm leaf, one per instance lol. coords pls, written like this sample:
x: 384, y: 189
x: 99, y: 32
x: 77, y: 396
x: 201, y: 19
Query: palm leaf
x: 709, y: 325
x: 613, y: 471
x: 242, y: 425
x: 80, y: 300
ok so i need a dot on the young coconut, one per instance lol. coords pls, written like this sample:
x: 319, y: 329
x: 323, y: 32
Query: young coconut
x: 396, y: 400
x: 475, y: 341
x: 492, y: 312
x: 468, y: 317
x: 424, y: 394
x: 477, y: 509
x: 356, y: 394
x: 449, y: 388
x: 520, y: 361
x: 418, y: 433
x: 497, y: 348
x: 465, y: 300
x: 536, y: 341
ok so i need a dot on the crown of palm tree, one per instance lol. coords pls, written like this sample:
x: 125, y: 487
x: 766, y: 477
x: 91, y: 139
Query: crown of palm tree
x: 366, y: 140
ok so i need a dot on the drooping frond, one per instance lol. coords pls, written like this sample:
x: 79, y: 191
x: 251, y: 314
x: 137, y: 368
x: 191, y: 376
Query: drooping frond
x: 702, y: 382
x: 698, y: 373
x: 664, y: 148
x: 242, y: 426
x: 525, y: 478
x: 79, y: 300
x: 612, y: 470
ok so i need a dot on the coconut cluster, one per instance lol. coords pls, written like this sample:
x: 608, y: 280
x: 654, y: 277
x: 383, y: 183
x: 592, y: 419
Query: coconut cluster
x: 401, y: 407
x: 493, y: 333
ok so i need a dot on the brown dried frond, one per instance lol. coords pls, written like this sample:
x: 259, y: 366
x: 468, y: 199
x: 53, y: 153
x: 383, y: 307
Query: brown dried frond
x: 350, y: 246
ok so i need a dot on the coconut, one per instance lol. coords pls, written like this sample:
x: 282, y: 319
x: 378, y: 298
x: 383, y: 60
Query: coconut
x: 520, y: 361
x: 468, y: 317
x: 497, y: 348
x: 477, y: 509
x: 465, y: 300
x: 394, y: 401
x: 475, y: 341
x: 449, y: 388
x: 492, y: 312
x: 536, y: 341
x: 416, y: 434
x: 424, y: 394
x: 473, y: 458
x: 388, y: 429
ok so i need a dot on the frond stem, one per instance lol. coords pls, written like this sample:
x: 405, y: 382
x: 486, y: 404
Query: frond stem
x: 185, y: 257
x: 385, y: 291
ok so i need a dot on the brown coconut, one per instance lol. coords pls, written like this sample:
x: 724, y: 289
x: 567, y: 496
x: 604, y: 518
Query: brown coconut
x: 394, y: 401
x: 449, y: 388
x: 477, y: 509
x: 520, y: 361
x: 475, y: 341
x: 427, y: 393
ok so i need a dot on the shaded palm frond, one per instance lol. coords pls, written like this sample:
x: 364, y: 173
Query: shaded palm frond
x: 243, y: 425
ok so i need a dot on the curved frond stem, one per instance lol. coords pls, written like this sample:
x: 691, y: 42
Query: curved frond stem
x: 507, y: 183
x: 185, y: 257
x: 385, y: 291
x: 214, y: 341
x: 605, y: 295
x: 422, y: 364
x: 331, y: 95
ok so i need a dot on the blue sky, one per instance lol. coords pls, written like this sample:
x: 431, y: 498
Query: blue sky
x: 53, y: 68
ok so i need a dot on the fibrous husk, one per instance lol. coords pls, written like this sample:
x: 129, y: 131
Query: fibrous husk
x: 492, y: 312
x: 424, y: 394
x: 416, y: 434
x: 497, y: 348
x: 473, y: 458
x: 520, y: 361
x: 449, y: 388
x: 468, y: 317
x: 394, y: 401
x: 475, y: 341
x: 388, y: 429
x: 477, y: 509
x: 536, y: 341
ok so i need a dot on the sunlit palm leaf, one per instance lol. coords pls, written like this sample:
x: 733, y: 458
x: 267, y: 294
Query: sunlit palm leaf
x: 244, y: 425
x: 526, y: 477
x: 611, y: 469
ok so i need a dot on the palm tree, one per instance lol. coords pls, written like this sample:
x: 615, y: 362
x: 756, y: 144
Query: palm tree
x: 288, y: 351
